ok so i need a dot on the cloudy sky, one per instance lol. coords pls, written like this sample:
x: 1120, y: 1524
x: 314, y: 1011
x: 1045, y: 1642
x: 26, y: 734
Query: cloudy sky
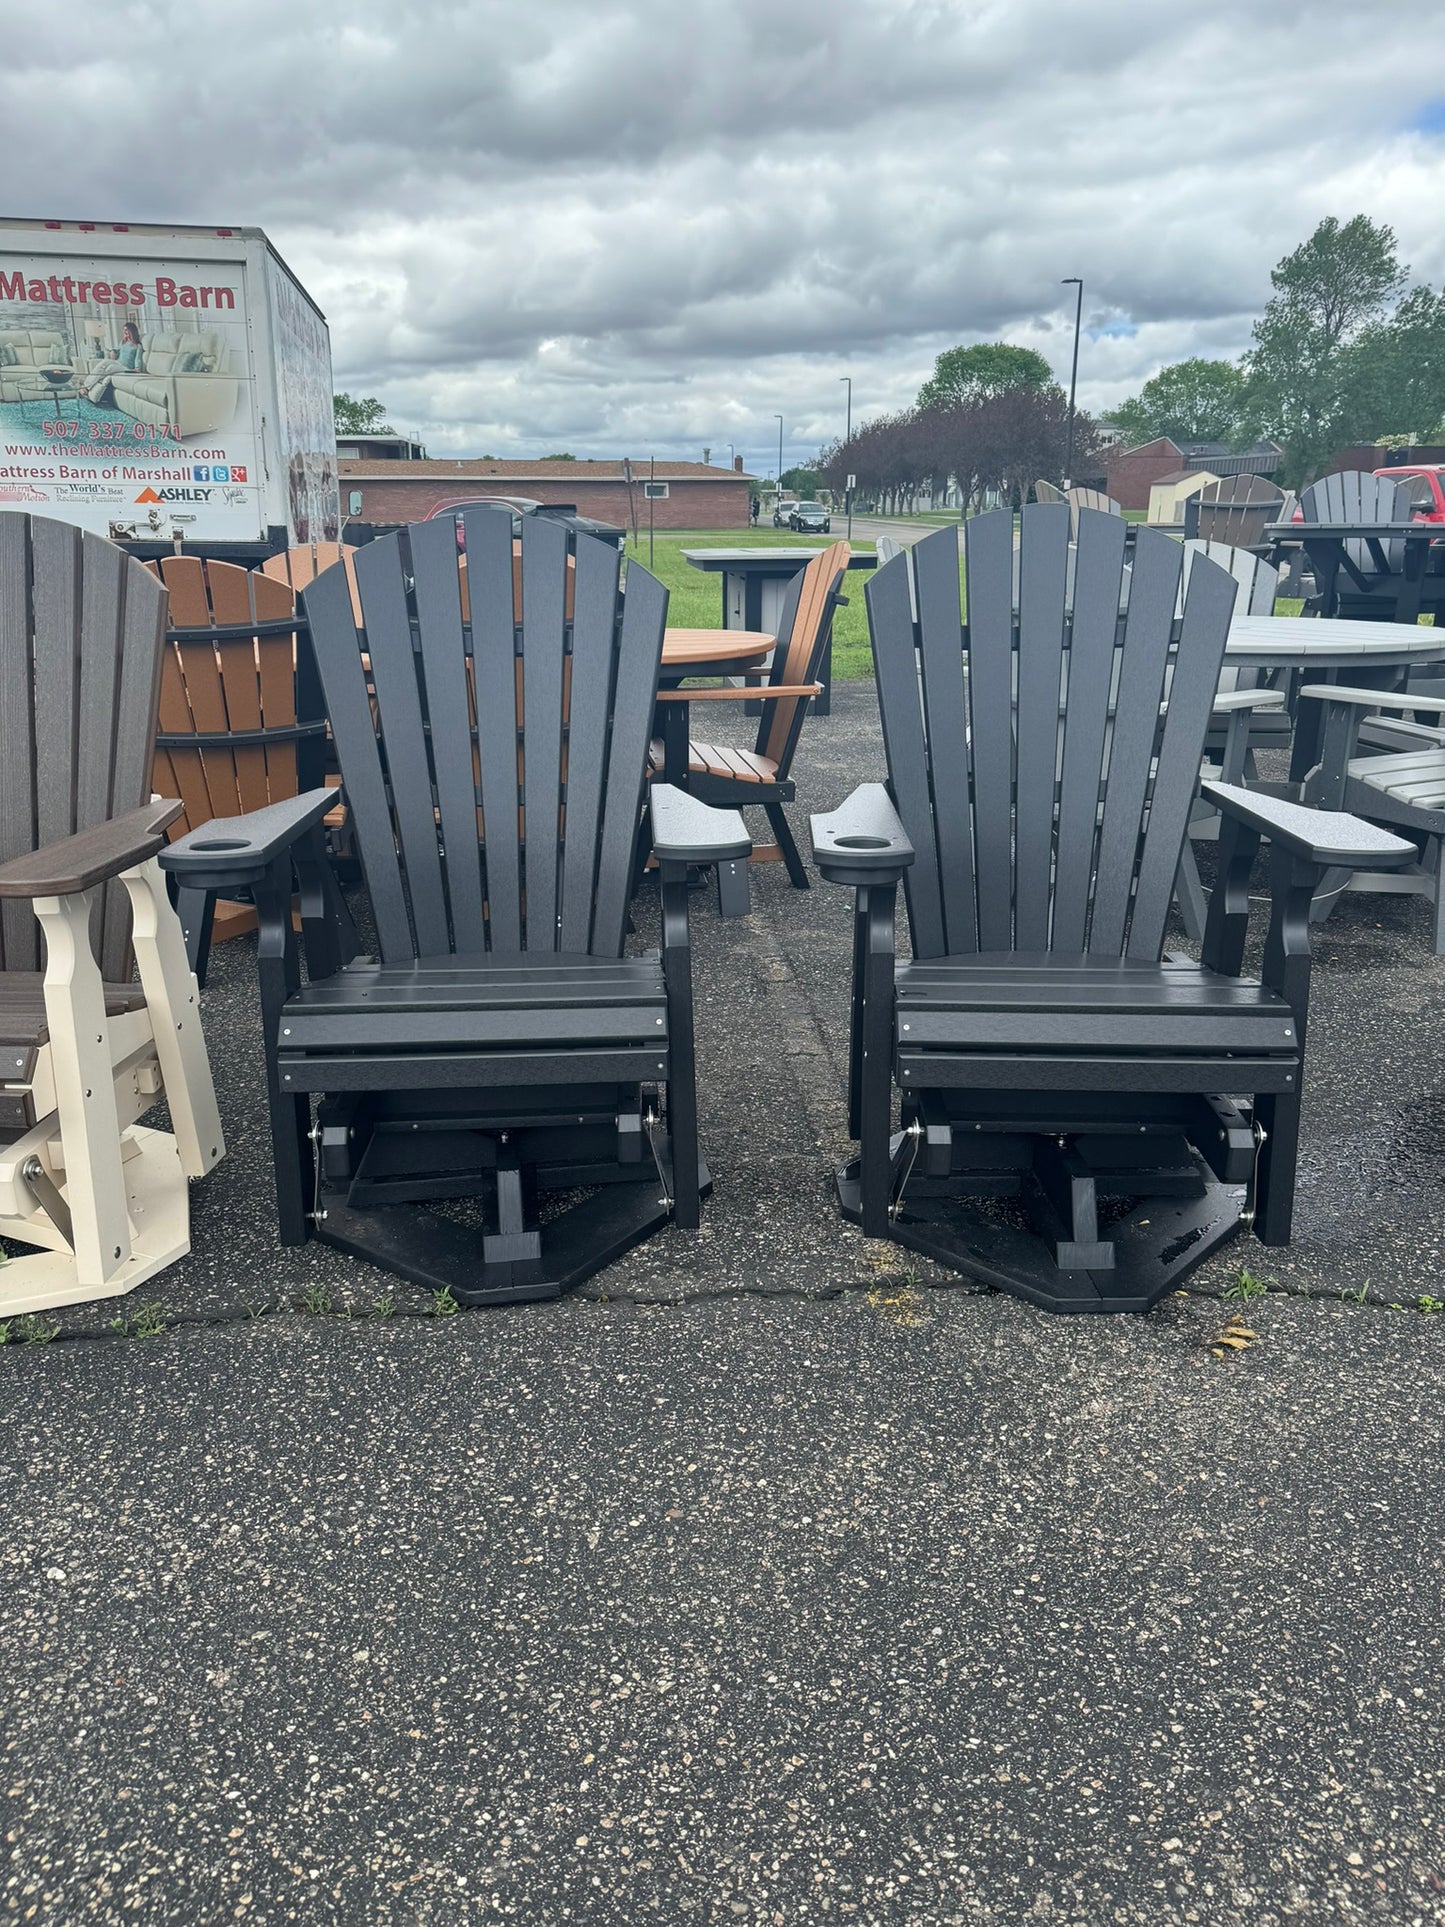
x: 646, y: 226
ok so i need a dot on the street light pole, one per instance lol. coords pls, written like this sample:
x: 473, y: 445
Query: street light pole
x: 780, y: 458
x: 847, y: 437
x: 1073, y: 280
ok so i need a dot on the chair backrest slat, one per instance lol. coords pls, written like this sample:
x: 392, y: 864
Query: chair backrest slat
x: 1043, y: 578
x: 327, y: 608
x: 493, y: 590
x: 589, y: 702
x: 905, y: 742
x: 81, y: 628
x: 940, y: 629
x: 1084, y: 732
x: 544, y: 588
x: 1098, y: 570
x: 1208, y: 607
x: 988, y: 576
x: 449, y: 715
x: 19, y: 932
x: 639, y: 660
x: 1143, y: 668
x: 1238, y: 508
x: 381, y: 581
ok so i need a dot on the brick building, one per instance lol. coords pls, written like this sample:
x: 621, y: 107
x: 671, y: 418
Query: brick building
x: 696, y: 497
x: 1132, y: 472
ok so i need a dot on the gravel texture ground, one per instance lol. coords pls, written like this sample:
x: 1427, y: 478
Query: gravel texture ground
x: 761, y: 1581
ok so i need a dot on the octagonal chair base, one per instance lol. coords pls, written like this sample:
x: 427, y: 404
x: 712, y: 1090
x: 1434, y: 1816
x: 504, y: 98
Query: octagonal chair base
x: 1156, y: 1244
x: 442, y: 1253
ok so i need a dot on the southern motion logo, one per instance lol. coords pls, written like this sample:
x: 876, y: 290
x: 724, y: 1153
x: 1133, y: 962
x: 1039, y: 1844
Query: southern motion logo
x: 154, y: 496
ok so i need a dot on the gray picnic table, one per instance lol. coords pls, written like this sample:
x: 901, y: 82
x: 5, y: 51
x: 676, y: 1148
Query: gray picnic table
x: 1336, y: 548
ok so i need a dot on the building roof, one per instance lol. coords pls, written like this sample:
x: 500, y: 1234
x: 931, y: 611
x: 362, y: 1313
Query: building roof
x: 479, y: 470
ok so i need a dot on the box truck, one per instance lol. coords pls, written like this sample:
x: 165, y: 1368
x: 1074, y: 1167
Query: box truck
x: 165, y: 387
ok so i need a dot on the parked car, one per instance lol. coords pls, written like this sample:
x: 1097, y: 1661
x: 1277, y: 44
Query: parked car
x: 1427, y: 489
x: 521, y: 505
x: 782, y: 515
x: 810, y: 518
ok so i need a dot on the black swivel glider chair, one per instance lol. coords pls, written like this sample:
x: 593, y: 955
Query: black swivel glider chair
x: 1084, y: 1120
x: 493, y: 744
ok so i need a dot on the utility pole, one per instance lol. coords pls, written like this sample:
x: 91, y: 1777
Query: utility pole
x: 1073, y: 280
x: 847, y: 437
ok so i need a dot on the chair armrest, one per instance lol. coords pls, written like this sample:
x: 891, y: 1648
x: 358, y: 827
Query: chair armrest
x: 758, y: 693
x: 1330, y: 838
x: 862, y: 841
x: 233, y: 851
x: 90, y: 856
x: 686, y: 831
x: 1226, y: 701
x: 1329, y: 692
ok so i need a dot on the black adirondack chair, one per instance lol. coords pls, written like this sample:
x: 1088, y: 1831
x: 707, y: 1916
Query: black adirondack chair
x: 492, y: 757
x: 1064, y: 1136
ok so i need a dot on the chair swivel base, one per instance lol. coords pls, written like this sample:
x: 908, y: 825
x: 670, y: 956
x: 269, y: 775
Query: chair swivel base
x: 442, y: 1253
x: 1156, y: 1244
x: 158, y: 1207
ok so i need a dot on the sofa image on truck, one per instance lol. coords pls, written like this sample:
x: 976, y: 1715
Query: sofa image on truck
x: 183, y: 380
x: 23, y: 353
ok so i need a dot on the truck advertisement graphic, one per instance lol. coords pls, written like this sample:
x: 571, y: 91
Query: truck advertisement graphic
x: 163, y: 386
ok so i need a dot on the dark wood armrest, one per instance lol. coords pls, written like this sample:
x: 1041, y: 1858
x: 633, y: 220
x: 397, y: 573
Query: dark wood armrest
x: 90, y: 856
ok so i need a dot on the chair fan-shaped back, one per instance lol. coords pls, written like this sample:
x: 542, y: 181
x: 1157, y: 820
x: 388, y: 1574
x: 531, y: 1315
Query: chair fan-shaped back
x: 1044, y: 759
x: 81, y: 632
x: 1354, y: 495
x: 492, y: 745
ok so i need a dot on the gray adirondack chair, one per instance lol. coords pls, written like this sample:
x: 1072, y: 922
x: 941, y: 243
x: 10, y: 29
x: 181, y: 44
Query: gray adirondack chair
x: 1356, y: 496
x: 1235, y: 509
x: 1043, y: 1048
x: 492, y: 758
x: 97, y: 1201
x: 1379, y: 762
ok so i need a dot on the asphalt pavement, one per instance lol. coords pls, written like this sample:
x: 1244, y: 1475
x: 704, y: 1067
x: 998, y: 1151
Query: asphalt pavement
x: 770, y: 1578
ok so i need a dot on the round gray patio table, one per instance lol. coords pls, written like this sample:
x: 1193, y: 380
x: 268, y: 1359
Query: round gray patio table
x: 1300, y: 642
x: 1373, y: 652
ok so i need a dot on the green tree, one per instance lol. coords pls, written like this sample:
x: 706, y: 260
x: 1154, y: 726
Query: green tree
x: 560, y: 456
x: 356, y: 416
x: 1190, y: 401
x: 804, y: 482
x: 1394, y: 373
x: 1300, y: 376
x: 988, y: 368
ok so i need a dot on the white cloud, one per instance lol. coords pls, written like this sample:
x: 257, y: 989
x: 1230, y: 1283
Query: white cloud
x: 618, y: 225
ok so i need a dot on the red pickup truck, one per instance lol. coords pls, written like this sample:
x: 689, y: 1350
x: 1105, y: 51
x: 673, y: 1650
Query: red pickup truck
x: 1427, y: 489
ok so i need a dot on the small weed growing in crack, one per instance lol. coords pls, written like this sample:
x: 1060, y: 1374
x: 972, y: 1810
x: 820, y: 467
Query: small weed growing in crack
x: 443, y: 1304
x: 898, y: 1299
x: 146, y: 1321
x: 33, y: 1330
x: 1427, y: 1303
x: 317, y: 1299
x: 1246, y: 1286
x: 383, y: 1305
x: 4, y: 1331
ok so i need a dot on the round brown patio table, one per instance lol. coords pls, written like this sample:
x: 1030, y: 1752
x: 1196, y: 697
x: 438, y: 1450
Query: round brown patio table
x: 699, y: 652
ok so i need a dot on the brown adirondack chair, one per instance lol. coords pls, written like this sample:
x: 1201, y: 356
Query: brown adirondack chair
x: 231, y: 740
x: 762, y: 776
x: 99, y: 1200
